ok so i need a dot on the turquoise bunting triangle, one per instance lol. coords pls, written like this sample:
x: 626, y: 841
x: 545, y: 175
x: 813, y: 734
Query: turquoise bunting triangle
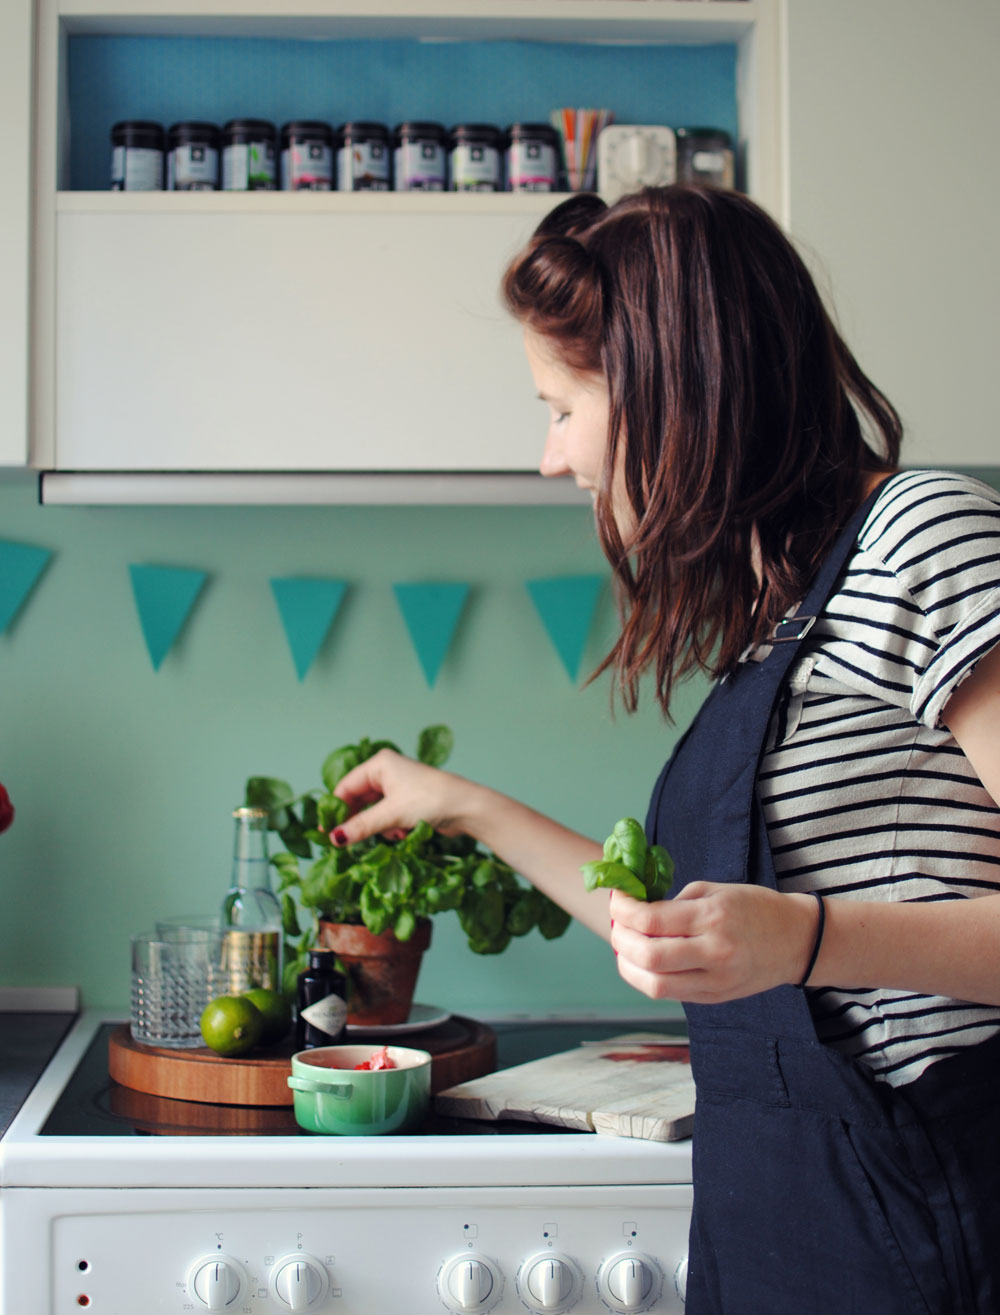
x: 164, y: 597
x: 431, y: 612
x: 307, y: 608
x: 566, y: 605
x: 20, y: 567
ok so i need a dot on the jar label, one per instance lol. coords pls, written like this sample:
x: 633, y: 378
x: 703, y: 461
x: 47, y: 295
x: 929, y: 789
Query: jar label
x: 420, y: 167
x: 248, y: 167
x: 363, y: 167
x: 531, y: 167
x: 475, y: 167
x: 307, y: 167
x: 136, y: 169
x: 192, y: 167
x: 327, y: 1015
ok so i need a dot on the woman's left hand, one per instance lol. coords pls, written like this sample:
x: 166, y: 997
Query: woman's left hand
x: 713, y: 942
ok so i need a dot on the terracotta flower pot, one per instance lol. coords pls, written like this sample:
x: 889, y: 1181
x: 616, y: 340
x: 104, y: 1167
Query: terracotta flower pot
x: 382, y: 970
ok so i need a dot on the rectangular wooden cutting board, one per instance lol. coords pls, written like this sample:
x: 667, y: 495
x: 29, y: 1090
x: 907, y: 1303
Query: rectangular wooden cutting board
x: 635, y: 1085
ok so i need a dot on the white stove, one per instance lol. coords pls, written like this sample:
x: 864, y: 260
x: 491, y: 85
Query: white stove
x: 130, y: 1208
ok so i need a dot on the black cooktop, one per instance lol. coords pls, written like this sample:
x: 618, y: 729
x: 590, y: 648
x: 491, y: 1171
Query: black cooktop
x: 93, y: 1105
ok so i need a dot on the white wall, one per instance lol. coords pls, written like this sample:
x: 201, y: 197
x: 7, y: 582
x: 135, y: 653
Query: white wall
x: 894, y: 114
x: 15, y: 115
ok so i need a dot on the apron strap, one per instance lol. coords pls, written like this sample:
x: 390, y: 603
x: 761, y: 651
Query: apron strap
x: 790, y: 632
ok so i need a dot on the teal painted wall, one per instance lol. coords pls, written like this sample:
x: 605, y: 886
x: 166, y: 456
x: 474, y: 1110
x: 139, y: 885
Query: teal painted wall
x: 124, y: 778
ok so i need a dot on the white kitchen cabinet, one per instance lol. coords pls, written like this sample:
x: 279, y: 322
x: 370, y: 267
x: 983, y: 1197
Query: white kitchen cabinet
x: 16, y: 83
x: 893, y: 109
x: 370, y: 336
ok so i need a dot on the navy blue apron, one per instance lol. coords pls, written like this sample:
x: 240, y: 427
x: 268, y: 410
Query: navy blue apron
x: 817, y: 1191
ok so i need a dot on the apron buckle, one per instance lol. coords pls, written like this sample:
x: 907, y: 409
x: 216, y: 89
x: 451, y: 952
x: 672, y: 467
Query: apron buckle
x: 792, y: 627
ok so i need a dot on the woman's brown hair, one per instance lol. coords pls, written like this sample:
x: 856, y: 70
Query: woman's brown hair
x: 744, y: 421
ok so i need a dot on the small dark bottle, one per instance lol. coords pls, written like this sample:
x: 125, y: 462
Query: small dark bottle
x: 321, y: 1002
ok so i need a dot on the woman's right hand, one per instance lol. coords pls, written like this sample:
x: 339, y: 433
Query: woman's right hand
x: 389, y: 794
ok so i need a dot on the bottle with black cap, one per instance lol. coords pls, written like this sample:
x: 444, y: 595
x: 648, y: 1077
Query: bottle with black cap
x: 321, y: 1002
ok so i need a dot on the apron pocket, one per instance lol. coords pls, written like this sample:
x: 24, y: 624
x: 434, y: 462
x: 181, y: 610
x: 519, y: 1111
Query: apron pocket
x: 899, y: 1216
x: 792, y: 1218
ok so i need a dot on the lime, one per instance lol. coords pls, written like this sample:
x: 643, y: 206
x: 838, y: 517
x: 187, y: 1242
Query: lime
x: 231, y: 1025
x: 275, y: 1011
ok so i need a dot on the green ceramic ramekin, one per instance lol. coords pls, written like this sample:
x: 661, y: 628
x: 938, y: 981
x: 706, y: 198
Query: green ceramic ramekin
x: 332, y: 1096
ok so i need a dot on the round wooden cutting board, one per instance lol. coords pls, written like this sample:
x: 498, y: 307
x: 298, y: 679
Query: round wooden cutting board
x: 461, y: 1049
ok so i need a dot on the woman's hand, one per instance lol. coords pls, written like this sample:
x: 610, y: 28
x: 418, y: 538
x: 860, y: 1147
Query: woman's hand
x: 389, y: 794
x: 713, y: 941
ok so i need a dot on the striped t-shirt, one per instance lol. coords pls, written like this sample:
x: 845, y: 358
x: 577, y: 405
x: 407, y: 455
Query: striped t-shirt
x: 866, y: 794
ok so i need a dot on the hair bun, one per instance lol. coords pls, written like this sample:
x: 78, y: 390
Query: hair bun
x: 572, y: 216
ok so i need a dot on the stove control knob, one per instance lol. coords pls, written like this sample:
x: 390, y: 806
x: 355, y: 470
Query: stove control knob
x: 549, y: 1282
x: 216, y: 1282
x: 629, y: 1282
x: 681, y: 1279
x: 298, y: 1282
x: 470, y: 1283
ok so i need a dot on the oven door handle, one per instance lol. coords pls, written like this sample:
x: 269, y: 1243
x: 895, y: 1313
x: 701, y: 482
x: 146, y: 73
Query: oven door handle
x: 342, y: 1090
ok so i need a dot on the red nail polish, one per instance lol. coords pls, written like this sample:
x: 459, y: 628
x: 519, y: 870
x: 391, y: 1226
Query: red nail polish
x: 339, y: 836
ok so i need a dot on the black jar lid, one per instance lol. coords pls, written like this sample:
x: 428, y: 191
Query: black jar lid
x: 249, y: 129
x: 193, y: 131
x: 137, y: 132
x: 532, y: 131
x: 420, y: 128
x: 476, y: 132
x: 709, y: 137
x: 360, y: 130
x: 305, y: 128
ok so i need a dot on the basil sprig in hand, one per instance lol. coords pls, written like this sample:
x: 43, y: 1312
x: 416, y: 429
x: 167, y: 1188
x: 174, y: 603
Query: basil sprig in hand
x: 643, y: 871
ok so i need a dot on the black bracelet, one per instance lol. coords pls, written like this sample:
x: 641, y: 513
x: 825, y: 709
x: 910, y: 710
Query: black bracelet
x: 820, y: 925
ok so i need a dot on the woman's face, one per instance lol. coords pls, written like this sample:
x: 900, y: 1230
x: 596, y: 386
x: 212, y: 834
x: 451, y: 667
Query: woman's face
x: 579, y: 406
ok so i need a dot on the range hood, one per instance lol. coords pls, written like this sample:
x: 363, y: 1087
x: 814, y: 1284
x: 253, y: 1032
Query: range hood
x: 313, y: 488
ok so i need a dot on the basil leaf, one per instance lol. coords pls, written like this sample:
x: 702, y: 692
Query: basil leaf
x: 268, y: 792
x: 631, y: 843
x: 612, y: 876
x: 659, y: 875
x: 289, y: 916
x: 405, y: 925
x: 434, y: 745
x: 553, y: 919
x: 338, y: 764
x: 330, y: 812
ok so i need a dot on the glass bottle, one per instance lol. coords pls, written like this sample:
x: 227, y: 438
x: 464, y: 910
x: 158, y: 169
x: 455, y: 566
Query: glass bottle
x: 321, y: 1002
x: 251, y: 913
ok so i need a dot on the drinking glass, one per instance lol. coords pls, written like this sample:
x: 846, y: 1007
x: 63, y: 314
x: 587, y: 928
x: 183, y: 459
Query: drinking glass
x: 172, y: 982
x: 188, y: 926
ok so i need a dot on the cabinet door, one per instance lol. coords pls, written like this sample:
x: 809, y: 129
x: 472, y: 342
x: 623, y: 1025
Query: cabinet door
x: 16, y: 48
x: 344, y: 337
x: 893, y: 107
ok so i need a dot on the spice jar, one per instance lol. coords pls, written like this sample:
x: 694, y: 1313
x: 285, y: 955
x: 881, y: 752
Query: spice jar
x: 364, y: 162
x: 705, y: 155
x: 137, y: 156
x: 249, y: 155
x: 532, y: 157
x: 420, y: 157
x: 193, y: 157
x: 306, y: 156
x: 475, y: 158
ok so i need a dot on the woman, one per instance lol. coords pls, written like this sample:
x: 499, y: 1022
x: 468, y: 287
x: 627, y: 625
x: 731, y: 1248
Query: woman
x: 832, y: 811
